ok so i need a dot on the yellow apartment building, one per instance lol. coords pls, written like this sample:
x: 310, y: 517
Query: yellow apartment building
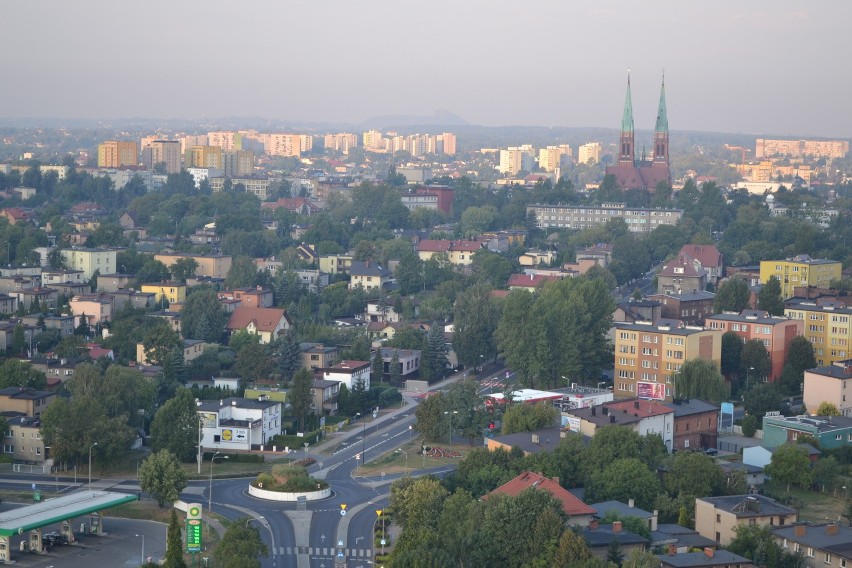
x: 647, y: 355
x: 117, y: 153
x: 203, y: 157
x: 801, y: 270
x: 173, y: 292
x: 212, y: 265
x: 828, y: 326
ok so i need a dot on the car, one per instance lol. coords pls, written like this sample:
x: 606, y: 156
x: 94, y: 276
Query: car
x: 711, y: 451
x: 53, y: 539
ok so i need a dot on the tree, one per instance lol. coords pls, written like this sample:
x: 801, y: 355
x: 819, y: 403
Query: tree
x: 761, y: 399
x: 699, y: 378
x: 800, y: 357
x: 289, y: 355
x: 754, y: 361
x: 826, y: 408
x: 240, y: 547
x: 750, y: 425
x: 300, y: 395
x: 613, y: 442
x: 572, y: 548
x: 184, y: 268
x: 395, y: 368
x: 159, y: 342
x: 377, y: 366
x: 769, y: 297
x: 152, y: 271
x: 174, y: 544
x: 624, y: 479
x: 437, y: 351
x: 732, y: 347
x: 476, y: 316
x: 409, y: 273
x: 162, y: 476
x: 19, y: 341
x: 528, y: 417
x: 17, y: 373
x: 252, y: 364
x: 175, y: 426
x: 732, y: 296
x: 431, y: 423
x: 202, y: 316
x: 614, y: 555
x: 790, y: 465
x: 692, y: 474
x: 640, y: 559
x: 757, y: 543
x: 242, y: 274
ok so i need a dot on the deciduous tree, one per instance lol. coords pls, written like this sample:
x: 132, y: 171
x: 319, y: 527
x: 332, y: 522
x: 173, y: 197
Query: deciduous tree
x: 175, y: 426
x: 790, y: 465
x: 299, y: 395
x: 624, y: 479
x: 826, y: 408
x: 769, y: 297
x: 162, y: 477
x: 241, y: 546
x: 732, y: 296
x: 699, y: 378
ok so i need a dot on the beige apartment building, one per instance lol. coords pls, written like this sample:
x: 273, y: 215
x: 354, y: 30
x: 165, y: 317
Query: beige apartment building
x: 799, y: 148
x: 589, y: 153
x: 831, y: 383
x: 203, y: 157
x: 638, y: 219
x: 647, y: 355
x: 287, y: 145
x: 167, y: 152
x: 716, y: 517
x: 210, y: 265
x: 117, y: 154
x: 550, y: 158
x: 237, y: 163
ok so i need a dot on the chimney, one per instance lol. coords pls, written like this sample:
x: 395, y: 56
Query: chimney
x: 831, y: 529
x: 593, y: 524
x: 708, y: 552
x: 616, y: 526
x: 631, y: 503
x: 672, y: 550
x: 221, y: 402
x: 800, y: 530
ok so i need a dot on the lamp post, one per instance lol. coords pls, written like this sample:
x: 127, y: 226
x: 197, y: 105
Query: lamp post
x: 210, y: 489
x: 406, y: 459
x: 90, y: 464
x: 750, y: 369
x: 845, y: 493
x: 450, y: 414
x: 143, y: 547
x: 200, y: 425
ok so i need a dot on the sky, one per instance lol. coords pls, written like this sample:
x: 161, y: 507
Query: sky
x: 746, y: 66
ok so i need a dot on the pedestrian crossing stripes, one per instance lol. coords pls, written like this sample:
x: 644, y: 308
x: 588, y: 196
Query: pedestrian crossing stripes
x: 324, y: 551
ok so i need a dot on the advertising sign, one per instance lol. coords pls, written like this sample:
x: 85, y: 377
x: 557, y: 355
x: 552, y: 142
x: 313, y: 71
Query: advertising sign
x: 656, y: 391
x: 193, y: 535
x: 208, y: 419
x: 235, y: 435
x: 573, y: 423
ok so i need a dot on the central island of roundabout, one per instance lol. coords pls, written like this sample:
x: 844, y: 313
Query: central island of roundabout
x: 288, y: 483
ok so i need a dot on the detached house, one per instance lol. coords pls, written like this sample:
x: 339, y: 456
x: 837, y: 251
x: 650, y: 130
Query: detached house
x: 268, y: 323
x: 682, y: 274
x: 368, y: 275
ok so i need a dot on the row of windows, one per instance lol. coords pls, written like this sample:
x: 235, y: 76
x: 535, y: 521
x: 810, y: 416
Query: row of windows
x: 10, y: 449
x: 33, y: 435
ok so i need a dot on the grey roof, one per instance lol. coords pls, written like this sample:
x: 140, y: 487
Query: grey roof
x: 818, y: 423
x: 700, y: 559
x: 362, y: 268
x: 215, y: 405
x: 548, y: 438
x: 690, y: 406
x: 689, y: 296
x: 59, y: 509
x: 681, y: 537
x: 817, y: 537
x: 622, y: 509
x: 323, y: 384
x: 739, y: 505
x: 750, y: 316
x: 24, y: 393
x: 843, y: 370
x: 603, y: 535
x: 655, y: 328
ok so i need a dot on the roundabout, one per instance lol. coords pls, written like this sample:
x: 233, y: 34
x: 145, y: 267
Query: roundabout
x: 289, y: 484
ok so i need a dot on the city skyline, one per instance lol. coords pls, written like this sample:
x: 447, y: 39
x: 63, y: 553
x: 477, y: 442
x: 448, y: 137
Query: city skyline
x: 760, y: 68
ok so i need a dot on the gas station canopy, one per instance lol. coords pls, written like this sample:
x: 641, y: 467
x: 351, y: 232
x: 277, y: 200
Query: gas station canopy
x: 59, y: 509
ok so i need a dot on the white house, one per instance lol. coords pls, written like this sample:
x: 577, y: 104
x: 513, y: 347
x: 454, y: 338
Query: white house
x: 238, y: 423
x: 349, y: 373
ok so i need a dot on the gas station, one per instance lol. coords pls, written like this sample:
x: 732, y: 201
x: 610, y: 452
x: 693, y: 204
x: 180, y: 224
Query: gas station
x: 57, y: 510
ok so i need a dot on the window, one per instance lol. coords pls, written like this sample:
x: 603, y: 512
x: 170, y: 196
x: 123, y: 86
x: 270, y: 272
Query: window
x: 8, y: 449
x: 686, y: 443
x: 718, y: 518
x: 827, y: 559
x: 810, y: 552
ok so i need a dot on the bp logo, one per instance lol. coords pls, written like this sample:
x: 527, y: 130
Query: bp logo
x: 195, y: 512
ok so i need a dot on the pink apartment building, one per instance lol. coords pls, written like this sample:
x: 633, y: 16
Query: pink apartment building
x: 833, y: 384
x: 776, y: 333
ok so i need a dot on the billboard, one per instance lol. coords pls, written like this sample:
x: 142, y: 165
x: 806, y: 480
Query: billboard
x: 656, y: 391
x: 571, y: 422
x: 234, y: 435
x: 208, y: 419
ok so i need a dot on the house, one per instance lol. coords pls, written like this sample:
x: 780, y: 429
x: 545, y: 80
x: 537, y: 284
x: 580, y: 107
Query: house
x: 378, y: 311
x: 15, y: 215
x: 822, y: 546
x: 63, y: 324
x: 710, y: 259
x: 829, y: 384
x: 459, y: 253
x: 753, y: 474
x: 335, y: 263
x: 776, y: 333
x: 708, y: 558
x: 383, y: 330
x: 409, y: 360
x: 52, y: 277
x: 268, y: 323
x: 212, y: 265
x: 249, y: 297
x: 542, y: 440
x: 324, y: 396
x: 691, y: 308
x: 171, y: 291
x: 318, y: 355
x: 761, y: 456
x: 696, y: 424
x: 624, y: 510
x: 238, y: 423
x: 139, y: 300
x: 716, y: 517
x: 22, y: 440
x: 90, y: 260
x: 27, y: 401
x: 129, y: 220
x: 8, y: 304
x: 577, y: 512
x: 535, y: 257
x: 679, y: 540
x: 682, y: 274
x: 530, y: 282
x: 599, y: 537
x: 14, y: 282
x: 192, y: 349
x: 113, y: 282
x: 634, y: 310
x: 46, y: 297
x: 97, y: 308
x: 369, y: 275
x: 642, y: 416
x: 7, y: 332
x: 350, y: 373
x: 830, y: 432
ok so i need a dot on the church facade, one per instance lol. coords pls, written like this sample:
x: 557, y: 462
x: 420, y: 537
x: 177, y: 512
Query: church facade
x: 644, y: 173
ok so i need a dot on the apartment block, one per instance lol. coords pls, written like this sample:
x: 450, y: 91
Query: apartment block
x: 800, y: 270
x: 647, y: 355
x: 166, y: 152
x: 90, y: 260
x: 550, y: 158
x: 776, y: 333
x: 287, y: 145
x: 203, y: 157
x: 717, y: 517
x: 827, y: 325
x: 800, y: 148
x: 831, y: 383
x: 341, y: 142
x: 638, y: 219
x: 516, y: 159
x: 589, y: 153
x: 237, y: 163
x: 257, y: 185
x: 210, y: 265
x: 117, y: 153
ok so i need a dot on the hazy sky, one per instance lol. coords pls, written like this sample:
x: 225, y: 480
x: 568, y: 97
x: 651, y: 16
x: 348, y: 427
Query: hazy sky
x: 752, y: 66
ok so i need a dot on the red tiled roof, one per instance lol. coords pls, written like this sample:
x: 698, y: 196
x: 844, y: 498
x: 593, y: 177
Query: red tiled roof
x: 707, y: 255
x: 684, y: 261
x: 465, y: 246
x: 428, y: 245
x: 265, y: 319
x: 530, y: 280
x: 527, y: 479
x: 17, y: 213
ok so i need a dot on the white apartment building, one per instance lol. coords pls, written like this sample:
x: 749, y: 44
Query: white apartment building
x: 238, y: 423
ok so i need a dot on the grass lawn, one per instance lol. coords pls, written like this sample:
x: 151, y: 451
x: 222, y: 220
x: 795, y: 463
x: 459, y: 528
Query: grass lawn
x: 226, y: 468
x: 814, y: 506
x: 395, y: 462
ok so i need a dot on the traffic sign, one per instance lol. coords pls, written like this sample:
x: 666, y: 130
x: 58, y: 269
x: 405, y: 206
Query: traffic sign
x: 339, y: 543
x: 379, y: 512
x: 343, y: 505
x: 342, y: 512
x: 383, y: 542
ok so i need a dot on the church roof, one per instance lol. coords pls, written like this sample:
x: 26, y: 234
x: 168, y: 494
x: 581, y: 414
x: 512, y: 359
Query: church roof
x: 662, y: 118
x: 627, y: 118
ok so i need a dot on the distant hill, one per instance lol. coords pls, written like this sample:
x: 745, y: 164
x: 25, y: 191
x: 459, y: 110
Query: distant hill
x: 441, y: 117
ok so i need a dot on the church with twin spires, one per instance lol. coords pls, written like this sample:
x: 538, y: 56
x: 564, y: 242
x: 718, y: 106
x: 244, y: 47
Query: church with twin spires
x: 644, y: 173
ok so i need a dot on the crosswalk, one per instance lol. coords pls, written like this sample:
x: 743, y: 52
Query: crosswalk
x: 324, y: 551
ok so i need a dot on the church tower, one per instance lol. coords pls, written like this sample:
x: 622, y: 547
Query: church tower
x: 661, y: 132
x: 626, y: 153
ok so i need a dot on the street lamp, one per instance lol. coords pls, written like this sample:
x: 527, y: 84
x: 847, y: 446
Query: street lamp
x: 747, y: 373
x: 143, y: 547
x: 406, y: 459
x: 90, y: 464
x: 450, y: 414
x: 845, y: 493
x: 210, y: 491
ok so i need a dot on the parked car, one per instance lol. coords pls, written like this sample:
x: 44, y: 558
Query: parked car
x: 53, y: 539
x: 711, y: 451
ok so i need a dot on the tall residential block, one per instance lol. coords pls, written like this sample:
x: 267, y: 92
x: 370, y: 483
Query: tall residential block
x: 827, y: 325
x: 648, y: 355
x: 286, y: 145
x: 117, y: 154
x: 341, y: 142
x: 447, y: 143
x: 515, y: 159
x: 162, y: 152
x: 589, y: 153
x: 764, y: 148
x: 800, y: 270
x: 550, y: 158
x: 203, y: 157
x: 237, y: 163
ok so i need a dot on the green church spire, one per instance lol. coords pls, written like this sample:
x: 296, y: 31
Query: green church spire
x: 627, y: 119
x: 662, y: 117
